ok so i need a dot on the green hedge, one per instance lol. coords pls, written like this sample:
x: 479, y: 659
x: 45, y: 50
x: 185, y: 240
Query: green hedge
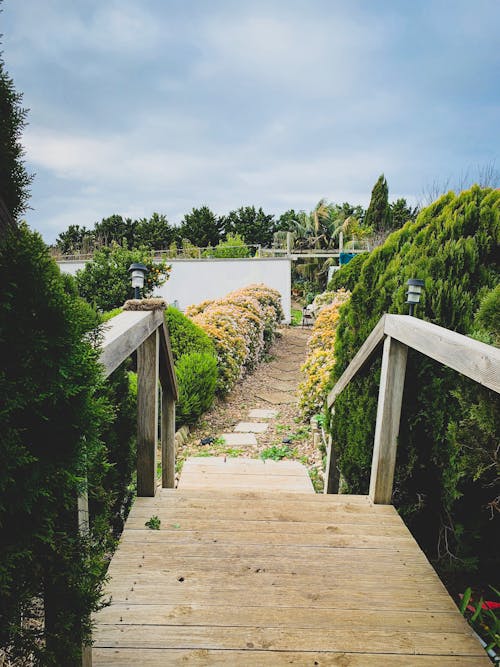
x: 51, y: 422
x: 195, y: 366
x: 447, y: 470
x: 347, y: 276
x: 185, y: 335
x: 196, y: 378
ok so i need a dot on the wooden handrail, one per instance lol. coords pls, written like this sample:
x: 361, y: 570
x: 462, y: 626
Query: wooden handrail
x: 145, y: 331
x: 471, y: 358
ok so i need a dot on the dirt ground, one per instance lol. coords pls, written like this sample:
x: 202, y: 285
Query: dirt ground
x: 273, y: 385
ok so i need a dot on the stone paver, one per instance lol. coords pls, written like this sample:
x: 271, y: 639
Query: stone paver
x: 261, y: 413
x: 251, y: 427
x: 284, y: 365
x: 277, y: 397
x: 283, y: 385
x: 239, y: 439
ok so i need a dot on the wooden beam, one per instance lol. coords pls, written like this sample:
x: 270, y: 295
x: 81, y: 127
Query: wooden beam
x: 147, y: 413
x: 124, y: 333
x: 331, y: 473
x: 167, y: 439
x: 390, y: 398
x: 476, y: 360
x: 167, y: 368
x: 362, y: 356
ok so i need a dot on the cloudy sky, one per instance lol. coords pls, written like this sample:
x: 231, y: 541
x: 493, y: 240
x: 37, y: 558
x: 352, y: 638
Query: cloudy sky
x: 164, y: 105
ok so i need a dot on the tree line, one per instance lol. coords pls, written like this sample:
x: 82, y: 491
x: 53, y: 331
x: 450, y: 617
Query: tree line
x: 203, y: 228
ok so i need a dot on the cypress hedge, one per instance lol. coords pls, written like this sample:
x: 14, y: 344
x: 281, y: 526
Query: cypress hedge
x: 447, y: 465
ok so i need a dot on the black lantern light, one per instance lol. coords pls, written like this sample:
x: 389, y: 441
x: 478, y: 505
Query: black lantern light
x: 415, y: 286
x: 137, y: 273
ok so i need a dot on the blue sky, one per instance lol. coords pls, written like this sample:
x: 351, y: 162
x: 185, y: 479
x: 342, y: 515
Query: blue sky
x: 164, y: 105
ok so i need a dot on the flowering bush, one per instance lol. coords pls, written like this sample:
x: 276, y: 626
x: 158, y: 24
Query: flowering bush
x: 242, y: 326
x: 320, y: 360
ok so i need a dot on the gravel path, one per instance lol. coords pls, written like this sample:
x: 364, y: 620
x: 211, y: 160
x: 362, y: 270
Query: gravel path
x: 273, y: 385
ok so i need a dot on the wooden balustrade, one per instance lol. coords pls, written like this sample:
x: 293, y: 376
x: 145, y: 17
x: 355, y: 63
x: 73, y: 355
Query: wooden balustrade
x: 471, y: 358
x: 144, y: 331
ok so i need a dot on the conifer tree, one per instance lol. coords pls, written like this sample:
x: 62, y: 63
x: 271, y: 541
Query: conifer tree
x: 378, y: 215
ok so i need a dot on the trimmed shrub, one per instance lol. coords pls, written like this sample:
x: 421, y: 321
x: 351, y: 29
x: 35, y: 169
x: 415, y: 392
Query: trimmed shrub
x: 443, y: 486
x: 185, y: 335
x: 51, y: 422
x: 197, y: 378
x: 320, y: 360
x: 242, y: 327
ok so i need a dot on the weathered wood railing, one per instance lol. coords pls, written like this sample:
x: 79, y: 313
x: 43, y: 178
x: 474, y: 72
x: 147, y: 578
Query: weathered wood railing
x: 144, y: 331
x: 397, y: 333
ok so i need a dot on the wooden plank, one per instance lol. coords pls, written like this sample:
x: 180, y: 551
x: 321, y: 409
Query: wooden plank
x: 104, y: 657
x: 329, y: 554
x: 167, y: 367
x: 268, y: 518
x: 167, y: 439
x: 301, y: 639
x: 147, y: 414
x: 390, y: 398
x: 188, y: 495
x: 276, y: 483
x: 403, y: 544
x: 276, y: 617
x: 476, y: 360
x: 193, y: 523
x: 258, y: 576
x: 362, y: 356
x: 275, y: 596
x: 124, y: 333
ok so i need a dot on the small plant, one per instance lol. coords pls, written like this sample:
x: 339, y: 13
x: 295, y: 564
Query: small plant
x: 219, y: 441
x: 277, y: 452
x: 153, y: 523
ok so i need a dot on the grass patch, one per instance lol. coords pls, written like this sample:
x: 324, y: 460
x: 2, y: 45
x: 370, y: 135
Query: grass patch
x: 278, y: 452
x: 296, y: 317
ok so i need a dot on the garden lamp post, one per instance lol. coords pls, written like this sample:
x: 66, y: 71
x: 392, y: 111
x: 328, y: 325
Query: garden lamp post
x: 415, y: 286
x: 137, y: 273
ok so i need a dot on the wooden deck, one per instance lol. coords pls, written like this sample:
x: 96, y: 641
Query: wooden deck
x: 253, y: 568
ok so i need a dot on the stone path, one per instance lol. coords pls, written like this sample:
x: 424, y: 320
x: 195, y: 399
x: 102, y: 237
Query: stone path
x: 260, y: 417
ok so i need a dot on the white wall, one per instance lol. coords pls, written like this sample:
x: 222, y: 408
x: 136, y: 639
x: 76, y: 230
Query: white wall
x: 194, y: 280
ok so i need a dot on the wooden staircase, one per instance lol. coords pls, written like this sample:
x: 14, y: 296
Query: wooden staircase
x: 251, y: 567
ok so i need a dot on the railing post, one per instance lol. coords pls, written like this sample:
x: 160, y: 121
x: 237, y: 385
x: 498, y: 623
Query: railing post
x: 167, y: 439
x: 331, y: 473
x: 84, y: 528
x: 147, y: 414
x: 390, y: 399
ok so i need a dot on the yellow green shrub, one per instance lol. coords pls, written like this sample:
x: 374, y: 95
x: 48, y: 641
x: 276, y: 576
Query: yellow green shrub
x: 242, y: 326
x: 321, y: 359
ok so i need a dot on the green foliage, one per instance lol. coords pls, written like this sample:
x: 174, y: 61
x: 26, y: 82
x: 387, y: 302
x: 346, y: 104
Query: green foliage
x: 378, y: 214
x: 196, y: 378
x: 108, y: 315
x: 487, y: 321
x: 233, y: 246
x: 201, y: 227
x: 484, y: 618
x: 51, y: 422
x: 447, y: 457
x: 347, y: 276
x: 253, y: 225
x: 401, y: 213
x: 153, y: 233
x: 105, y: 280
x: 14, y: 179
x: 153, y: 523
x: 185, y: 335
x: 277, y: 452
